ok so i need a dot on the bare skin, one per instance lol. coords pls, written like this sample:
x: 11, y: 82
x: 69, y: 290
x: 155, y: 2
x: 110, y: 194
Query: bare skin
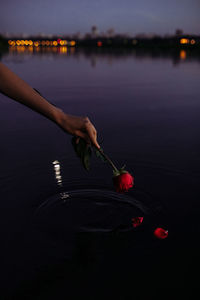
x: 17, y: 89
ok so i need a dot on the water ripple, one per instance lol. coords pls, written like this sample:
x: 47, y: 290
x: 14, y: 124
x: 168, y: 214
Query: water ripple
x: 88, y: 210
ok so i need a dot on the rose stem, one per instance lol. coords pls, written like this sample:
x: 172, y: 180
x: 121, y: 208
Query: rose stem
x: 108, y: 159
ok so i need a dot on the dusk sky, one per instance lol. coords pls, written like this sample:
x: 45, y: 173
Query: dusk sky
x: 125, y: 16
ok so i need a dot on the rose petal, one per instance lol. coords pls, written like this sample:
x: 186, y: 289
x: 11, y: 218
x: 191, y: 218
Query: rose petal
x: 137, y: 221
x: 160, y: 233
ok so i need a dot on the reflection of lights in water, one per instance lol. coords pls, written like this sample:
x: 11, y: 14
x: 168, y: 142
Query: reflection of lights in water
x: 63, y: 50
x: 56, y: 166
x: 58, y: 176
x: 72, y: 50
x: 64, y: 195
x: 183, y: 54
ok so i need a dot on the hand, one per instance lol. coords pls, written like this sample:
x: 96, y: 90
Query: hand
x: 80, y: 127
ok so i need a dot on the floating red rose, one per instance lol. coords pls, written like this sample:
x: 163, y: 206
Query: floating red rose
x: 160, y: 233
x: 137, y: 221
x: 123, y: 181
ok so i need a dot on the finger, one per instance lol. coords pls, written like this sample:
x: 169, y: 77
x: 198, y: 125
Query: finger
x: 84, y: 136
x: 92, y: 135
x: 77, y: 140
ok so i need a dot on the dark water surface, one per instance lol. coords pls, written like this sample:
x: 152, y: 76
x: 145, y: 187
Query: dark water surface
x: 65, y: 231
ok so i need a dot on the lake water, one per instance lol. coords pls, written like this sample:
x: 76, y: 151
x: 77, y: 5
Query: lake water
x: 64, y: 229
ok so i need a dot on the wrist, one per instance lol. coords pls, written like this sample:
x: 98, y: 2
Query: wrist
x: 59, y: 116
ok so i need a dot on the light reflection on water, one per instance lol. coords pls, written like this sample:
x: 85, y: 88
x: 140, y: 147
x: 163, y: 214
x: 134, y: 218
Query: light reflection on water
x: 57, y: 171
x: 177, y: 56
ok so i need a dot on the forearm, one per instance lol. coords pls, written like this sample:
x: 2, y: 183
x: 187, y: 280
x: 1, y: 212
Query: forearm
x: 17, y: 89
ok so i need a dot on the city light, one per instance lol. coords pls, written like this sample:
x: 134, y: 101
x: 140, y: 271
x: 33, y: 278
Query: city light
x: 184, y: 41
x: 124, y: 41
x: 134, y: 42
x: 43, y: 43
x: 36, y: 44
x: 72, y: 43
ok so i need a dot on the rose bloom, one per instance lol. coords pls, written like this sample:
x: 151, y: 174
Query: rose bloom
x: 123, y: 182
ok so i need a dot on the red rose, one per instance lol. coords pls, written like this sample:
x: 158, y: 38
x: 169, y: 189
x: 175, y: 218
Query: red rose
x: 123, y: 182
x: 137, y: 221
x: 160, y: 233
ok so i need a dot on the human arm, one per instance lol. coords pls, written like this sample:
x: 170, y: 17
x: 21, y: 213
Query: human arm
x: 17, y: 89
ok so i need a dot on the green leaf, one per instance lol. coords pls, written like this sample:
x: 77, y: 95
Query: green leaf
x: 83, y: 151
x: 86, y: 158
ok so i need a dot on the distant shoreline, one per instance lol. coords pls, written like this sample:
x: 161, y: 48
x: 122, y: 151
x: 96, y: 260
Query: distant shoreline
x: 186, y: 41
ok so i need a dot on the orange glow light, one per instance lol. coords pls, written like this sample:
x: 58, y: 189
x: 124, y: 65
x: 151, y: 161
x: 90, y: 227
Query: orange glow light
x: 63, y: 49
x: 134, y: 42
x: 72, y: 43
x: 99, y: 43
x: 30, y: 48
x: 192, y: 41
x: 184, y: 41
x: 183, y: 54
x: 55, y: 43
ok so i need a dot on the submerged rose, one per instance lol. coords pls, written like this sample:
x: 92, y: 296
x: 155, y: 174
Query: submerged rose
x: 160, y: 233
x: 137, y: 221
x: 123, y: 182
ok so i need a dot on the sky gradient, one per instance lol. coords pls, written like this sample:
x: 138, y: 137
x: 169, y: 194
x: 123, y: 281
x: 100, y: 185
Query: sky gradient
x: 72, y: 16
